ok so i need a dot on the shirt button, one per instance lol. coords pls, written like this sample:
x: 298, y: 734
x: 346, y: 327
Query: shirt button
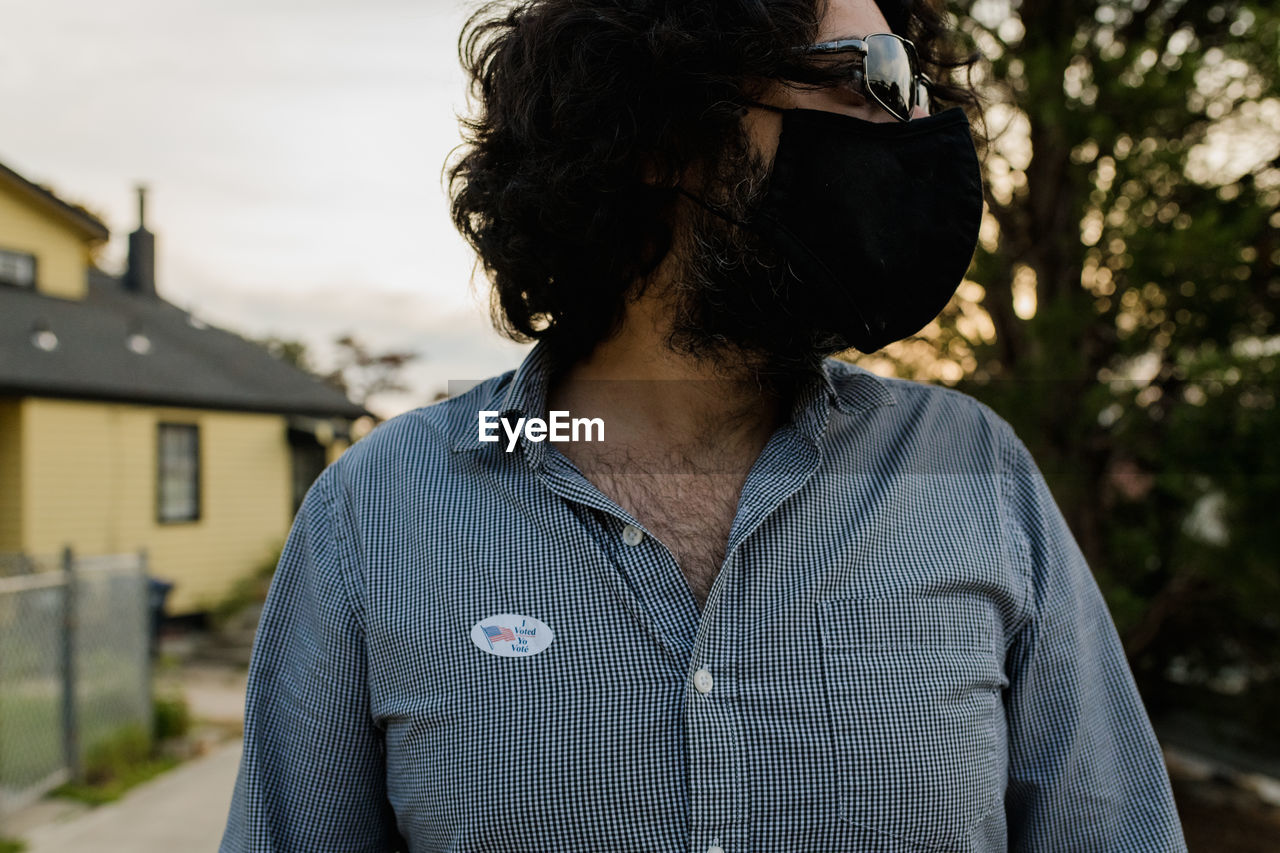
x: 632, y: 535
x: 702, y: 681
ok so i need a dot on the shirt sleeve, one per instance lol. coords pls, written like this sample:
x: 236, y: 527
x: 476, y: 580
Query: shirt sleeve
x: 312, y: 774
x: 1085, y: 770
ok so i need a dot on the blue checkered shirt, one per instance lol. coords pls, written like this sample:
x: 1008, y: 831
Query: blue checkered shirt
x: 904, y: 650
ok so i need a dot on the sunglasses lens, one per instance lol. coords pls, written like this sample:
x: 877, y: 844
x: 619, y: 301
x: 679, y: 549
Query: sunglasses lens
x: 890, y: 71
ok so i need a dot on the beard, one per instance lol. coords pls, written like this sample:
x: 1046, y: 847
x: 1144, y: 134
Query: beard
x: 737, y: 304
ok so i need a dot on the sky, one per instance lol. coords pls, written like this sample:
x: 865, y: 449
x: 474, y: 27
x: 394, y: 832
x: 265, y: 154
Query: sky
x: 293, y: 151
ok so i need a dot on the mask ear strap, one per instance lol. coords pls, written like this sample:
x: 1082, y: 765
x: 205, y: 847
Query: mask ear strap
x: 770, y: 107
x: 709, y: 209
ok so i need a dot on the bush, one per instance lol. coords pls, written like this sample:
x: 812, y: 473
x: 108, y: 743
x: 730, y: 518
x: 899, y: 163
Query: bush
x: 112, y: 757
x: 172, y: 717
x: 114, y: 764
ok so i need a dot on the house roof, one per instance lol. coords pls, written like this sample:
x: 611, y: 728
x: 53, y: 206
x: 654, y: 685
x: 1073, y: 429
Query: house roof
x: 82, y: 221
x: 121, y: 346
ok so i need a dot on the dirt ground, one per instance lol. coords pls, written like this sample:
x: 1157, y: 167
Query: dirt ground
x: 1218, y: 818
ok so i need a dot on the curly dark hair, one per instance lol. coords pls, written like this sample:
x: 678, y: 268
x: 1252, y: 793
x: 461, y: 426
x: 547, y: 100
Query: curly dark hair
x: 589, y: 110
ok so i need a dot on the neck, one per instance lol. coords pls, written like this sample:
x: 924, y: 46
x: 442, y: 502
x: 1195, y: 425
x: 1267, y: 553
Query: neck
x: 657, y: 400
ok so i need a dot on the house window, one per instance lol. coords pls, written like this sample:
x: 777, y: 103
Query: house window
x: 17, y: 269
x: 178, y: 473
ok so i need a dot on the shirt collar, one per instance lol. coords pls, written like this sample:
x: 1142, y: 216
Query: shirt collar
x: 852, y: 389
x: 520, y: 393
x: 840, y: 385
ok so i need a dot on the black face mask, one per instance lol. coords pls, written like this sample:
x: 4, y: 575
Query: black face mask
x: 877, y: 221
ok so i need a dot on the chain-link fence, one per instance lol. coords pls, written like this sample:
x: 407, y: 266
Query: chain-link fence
x: 75, y: 666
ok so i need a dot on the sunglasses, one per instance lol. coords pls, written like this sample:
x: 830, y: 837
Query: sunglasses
x: 889, y: 71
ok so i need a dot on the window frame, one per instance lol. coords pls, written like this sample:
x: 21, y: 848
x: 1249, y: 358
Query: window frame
x: 197, y: 509
x: 34, y: 284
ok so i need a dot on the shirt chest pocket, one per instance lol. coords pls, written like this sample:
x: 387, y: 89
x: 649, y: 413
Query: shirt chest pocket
x: 913, y: 692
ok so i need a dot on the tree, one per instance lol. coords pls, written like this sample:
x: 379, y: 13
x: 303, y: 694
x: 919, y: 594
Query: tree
x: 361, y: 374
x: 1121, y: 308
x: 289, y: 351
x: 358, y: 372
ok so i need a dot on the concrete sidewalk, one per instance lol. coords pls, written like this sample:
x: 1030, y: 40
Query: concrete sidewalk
x: 182, y: 810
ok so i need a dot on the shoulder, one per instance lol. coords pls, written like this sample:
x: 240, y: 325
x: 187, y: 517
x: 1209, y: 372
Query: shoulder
x: 415, y: 443
x: 930, y: 429
x: 918, y: 416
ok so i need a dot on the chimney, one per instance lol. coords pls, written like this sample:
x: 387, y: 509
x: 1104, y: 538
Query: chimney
x: 140, y: 277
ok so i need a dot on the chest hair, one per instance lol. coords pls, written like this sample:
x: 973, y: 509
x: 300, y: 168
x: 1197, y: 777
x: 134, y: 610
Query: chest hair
x: 689, y: 507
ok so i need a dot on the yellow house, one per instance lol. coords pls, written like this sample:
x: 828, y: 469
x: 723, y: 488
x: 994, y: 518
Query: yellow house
x: 126, y: 423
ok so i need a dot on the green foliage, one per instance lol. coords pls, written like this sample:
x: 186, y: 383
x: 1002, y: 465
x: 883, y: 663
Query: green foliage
x: 12, y: 845
x: 1134, y: 193
x: 115, y: 764
x: 171, y: 717
x: 30, y: 734
x: 130, y: 745
x: 129, y: 755
x: 112, y: 765
x: 112, y: 787
x: 289, y: 351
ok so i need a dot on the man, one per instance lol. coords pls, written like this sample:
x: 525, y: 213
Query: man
x: 785, y: 604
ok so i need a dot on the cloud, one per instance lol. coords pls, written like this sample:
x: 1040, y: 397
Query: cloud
x: 294, y: 152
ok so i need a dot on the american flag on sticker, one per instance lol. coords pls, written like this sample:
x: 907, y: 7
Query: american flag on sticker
x: 492, y: 632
